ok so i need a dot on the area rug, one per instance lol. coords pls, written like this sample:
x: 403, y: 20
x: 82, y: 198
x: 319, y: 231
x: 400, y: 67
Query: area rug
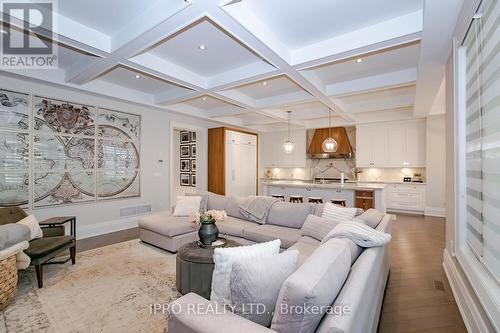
x: 110, y: 289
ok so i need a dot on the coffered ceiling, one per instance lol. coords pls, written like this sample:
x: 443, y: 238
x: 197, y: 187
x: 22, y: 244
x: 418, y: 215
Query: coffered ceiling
x: 246, y: 62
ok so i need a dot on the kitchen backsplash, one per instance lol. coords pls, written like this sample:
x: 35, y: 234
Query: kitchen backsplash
x: 333, y: 168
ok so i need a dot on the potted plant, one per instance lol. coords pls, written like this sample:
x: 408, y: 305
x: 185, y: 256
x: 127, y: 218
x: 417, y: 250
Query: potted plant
x: 208, y: 231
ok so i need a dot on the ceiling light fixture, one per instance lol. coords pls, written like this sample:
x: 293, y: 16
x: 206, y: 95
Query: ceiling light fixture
x: 202, y: 47
x: 137, y: 76
x: 4, y: 32
x: 330, y: 145
x: 264, y: 83
x: 204, y: 98
x: 288, y: 145
x: 359, y: 60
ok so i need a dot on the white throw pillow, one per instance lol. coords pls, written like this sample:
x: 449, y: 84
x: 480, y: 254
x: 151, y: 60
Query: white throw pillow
x: 317, y: 227
x: 31, y: 222
x: 338, y: 213
x: 224, y: 259
x: 256, y: 283
x: 359, y: 233
x: 187, y: 205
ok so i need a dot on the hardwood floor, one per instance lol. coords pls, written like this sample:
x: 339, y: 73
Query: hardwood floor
x: 418, y: 297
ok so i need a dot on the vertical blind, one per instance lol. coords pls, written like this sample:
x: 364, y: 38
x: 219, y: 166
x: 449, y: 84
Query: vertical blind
x: 482, y: 127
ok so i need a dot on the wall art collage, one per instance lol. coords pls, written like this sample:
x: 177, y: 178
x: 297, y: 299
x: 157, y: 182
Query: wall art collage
x: 55, y: 152
x: 187, y: 158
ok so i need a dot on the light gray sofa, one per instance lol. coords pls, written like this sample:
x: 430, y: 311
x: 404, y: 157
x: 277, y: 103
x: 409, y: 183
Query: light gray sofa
x: 363, y: 290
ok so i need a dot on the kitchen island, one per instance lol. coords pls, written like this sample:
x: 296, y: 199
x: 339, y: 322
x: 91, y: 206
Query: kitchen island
x: 355, y: 194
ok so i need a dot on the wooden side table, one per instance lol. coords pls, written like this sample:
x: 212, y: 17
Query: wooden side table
x: 195, y: 266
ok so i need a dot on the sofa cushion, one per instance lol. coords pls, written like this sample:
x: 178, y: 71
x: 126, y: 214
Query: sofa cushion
x: 233, y: 207
x: 258, y: 281
x: 315, y: 284
x: 234, y: 227
x: 41, y: 247
x: 305, y: 250
x: 216, y: 201
x: 166, y: 224
x: 317, y: 227
x: 371, y: 217
x: 267, y: 232
x: 318, y: 210
x: 13, y: 233
x: 309, y: 240
x: 290, y: 215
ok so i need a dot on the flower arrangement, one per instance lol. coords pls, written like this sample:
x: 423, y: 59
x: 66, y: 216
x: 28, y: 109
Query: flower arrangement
x: 209, y: 217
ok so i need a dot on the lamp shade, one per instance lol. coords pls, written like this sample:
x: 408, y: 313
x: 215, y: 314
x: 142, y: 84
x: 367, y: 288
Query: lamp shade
x: 288, y: 147
x: 330, y: 145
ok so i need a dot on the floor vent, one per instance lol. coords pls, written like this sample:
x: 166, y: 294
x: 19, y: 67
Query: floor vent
x: 134, y: 211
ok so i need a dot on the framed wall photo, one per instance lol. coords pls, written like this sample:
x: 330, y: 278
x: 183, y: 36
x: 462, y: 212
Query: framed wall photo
x: 193, y: 180
x: 185, y: 137
x: 185, y: 179
x: 193, y: 136
x: 193, y: 165
x: 185, y: 165
x: 185, y: 151
x: 193, y: 151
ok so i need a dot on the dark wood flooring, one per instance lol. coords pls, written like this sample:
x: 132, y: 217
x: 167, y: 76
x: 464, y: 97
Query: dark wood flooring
x: 418, y: 297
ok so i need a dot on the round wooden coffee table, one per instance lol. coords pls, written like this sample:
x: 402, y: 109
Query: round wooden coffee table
x: 194, y: 268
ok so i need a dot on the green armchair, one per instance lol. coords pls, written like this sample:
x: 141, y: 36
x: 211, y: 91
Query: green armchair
x: 41, y: 250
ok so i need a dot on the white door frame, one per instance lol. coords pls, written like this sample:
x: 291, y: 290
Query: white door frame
x: 202, y: 167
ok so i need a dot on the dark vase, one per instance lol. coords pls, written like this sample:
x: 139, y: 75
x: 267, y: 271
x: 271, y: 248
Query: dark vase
x: 208, y: 233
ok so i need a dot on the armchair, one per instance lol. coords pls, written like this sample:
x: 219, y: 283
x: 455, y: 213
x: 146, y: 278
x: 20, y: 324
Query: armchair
x: 41, y: 250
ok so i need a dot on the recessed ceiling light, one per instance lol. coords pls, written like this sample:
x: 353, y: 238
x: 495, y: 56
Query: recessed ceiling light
x: 264, y: 83
x: 137, y: 76
x: 3, y: 32
x: 204, y: 98
x: 359, y: 60
x: 202, y: 47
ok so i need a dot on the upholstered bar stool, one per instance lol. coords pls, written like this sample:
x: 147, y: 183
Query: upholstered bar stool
x: 296, y: 199
x: 339, y: 202
x: 315, y: 200
x: 279, y: 196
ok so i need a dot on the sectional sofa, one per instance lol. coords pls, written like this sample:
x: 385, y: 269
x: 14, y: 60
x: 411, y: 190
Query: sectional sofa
x: 362, y: 291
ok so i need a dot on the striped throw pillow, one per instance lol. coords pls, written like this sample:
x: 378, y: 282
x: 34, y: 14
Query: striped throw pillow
x: 317, y: 227
x: 337, y: 213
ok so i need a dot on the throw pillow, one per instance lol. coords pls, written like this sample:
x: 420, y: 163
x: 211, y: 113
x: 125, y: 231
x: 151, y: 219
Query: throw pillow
x: 315, y: 284
x: 31, y: 222
x: 204, y: 199
x: 371, y: 217
x: 224, y: 259
x: 338, y: 213
x: 187, y: 205
x: 256, y: 283
x: 359, y: 233
x: 317, y: 227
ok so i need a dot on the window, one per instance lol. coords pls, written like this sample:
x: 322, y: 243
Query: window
x: 479, y: 158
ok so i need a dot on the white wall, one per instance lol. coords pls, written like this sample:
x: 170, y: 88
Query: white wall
x: 103, y: 216
x: 436, y: 167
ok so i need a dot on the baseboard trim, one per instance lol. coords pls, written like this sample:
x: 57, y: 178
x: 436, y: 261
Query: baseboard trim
x: 465, y: 302
x: 101, y: 228
x: 435, y: 211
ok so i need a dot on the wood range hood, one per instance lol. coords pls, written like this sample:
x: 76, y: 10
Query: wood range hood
x: 316, y: 137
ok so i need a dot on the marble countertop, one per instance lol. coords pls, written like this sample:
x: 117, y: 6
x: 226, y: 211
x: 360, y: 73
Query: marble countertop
x: 348, y: 186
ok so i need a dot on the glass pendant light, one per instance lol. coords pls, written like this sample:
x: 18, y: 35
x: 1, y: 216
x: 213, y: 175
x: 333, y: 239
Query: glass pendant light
x: 289, y: 146
x: 330, y: 145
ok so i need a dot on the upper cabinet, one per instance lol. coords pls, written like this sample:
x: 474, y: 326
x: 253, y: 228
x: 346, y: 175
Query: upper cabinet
x: 273, y: 155
x: 389, y: 145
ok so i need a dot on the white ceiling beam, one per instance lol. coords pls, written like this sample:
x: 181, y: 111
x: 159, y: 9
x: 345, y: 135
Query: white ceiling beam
x: 434, y: 51
x: 240, y: 74
x: 402, y: 29
x: 284, y: 100
x: 394, y: 79
x: 244, y: 81
x: 148, y: 38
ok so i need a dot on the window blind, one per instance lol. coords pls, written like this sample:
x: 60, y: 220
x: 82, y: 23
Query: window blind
x: 482, y: 127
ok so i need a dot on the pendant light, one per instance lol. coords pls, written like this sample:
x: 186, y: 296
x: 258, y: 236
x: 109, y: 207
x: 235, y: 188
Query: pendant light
x: 330, y: 145
x: 289, y: 146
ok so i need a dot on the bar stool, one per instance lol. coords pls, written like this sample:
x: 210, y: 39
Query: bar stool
x: 278, y: 196
x: 339, y: 202
x: 296, y: 199
x: 315, y: 200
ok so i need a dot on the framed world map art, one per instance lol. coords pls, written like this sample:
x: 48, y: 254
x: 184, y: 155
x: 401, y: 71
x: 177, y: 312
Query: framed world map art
x: 72, y: 153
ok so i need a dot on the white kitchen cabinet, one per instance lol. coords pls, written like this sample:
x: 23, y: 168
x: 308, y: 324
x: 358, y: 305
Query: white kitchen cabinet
x: 391, y: 144
x: 306, y: 192
x: 241, y: 161
x: 273, y: 155
x: 406, y: 197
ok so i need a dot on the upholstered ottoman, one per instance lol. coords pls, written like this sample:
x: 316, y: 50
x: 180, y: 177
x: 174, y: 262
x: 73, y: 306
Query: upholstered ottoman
x: 166, y: 231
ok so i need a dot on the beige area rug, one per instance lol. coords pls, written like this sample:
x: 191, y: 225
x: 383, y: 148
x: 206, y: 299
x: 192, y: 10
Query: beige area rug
x: 110, y: 289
